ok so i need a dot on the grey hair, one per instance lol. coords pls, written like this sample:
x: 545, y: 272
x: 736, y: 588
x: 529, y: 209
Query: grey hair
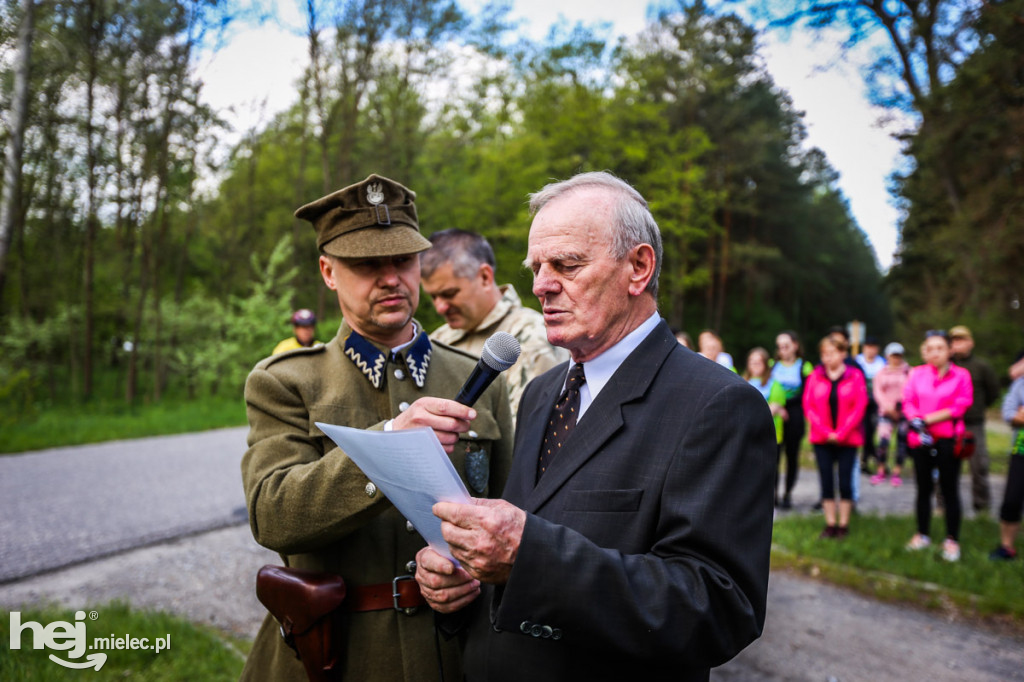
x: 634, y: 224
x: 465, y: 251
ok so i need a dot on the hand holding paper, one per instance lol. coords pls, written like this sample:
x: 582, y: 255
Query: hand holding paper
x: 411, y: 468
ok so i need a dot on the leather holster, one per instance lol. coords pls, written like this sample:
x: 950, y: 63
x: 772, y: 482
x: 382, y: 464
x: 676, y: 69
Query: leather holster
x: 304, y: 602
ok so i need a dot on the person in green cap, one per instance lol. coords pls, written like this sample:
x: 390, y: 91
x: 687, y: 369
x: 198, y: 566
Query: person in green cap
x: 306, y: 499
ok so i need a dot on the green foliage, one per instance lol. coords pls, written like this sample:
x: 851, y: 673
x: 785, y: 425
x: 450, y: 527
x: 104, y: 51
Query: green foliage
x: 98, y: 421
x: 963, y: 237
x: 872, y: 559
x: 195, y: 653
x: 756, y: 236
x: 219, y: 343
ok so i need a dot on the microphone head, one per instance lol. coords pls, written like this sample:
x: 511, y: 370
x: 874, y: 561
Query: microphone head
x: 500, y: 351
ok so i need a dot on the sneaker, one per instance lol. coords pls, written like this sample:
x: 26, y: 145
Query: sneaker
x: 950, y: 550
x: 918, y: 542
x: 1002, y: 554
x: 877, y: 478
x: 896, y: 481
x: 828, y: 533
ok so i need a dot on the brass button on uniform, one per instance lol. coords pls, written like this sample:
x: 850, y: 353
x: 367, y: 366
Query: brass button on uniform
x: 473, y: 434
x: 370, y: 489
x: 403, y: 406
x: 399, y: 374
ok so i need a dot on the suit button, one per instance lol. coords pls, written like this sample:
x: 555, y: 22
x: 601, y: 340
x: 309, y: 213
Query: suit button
x: 399, y: 374
x: 403, y: 406
x: 409, y: 527
x: 546, y: 631
x: 370, y: 489
x: 410, y: 567
x: 536, y: 630
x: 556, y: 633
x: 525, y: 626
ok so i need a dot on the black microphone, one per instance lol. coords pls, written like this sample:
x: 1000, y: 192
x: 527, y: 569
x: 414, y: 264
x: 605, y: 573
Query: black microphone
x: 500, y: 352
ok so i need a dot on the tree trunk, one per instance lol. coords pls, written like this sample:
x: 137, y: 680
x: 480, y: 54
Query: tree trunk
x: 723, y: 272
x: 10, y: 190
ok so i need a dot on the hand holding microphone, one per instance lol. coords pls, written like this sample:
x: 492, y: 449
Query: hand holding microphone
x: 449, y: 418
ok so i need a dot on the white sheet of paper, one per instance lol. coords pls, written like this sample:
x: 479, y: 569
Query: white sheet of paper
x: 411, y: 468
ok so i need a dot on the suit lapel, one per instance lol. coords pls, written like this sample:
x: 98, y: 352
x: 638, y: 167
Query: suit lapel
x: 600, y: 422
x: 530, y: 433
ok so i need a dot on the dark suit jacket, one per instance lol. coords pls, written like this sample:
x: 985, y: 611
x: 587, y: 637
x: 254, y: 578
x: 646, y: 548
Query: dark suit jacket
x: 645, y: 551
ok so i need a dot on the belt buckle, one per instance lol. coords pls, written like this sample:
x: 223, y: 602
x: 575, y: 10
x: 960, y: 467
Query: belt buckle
x: 395, y: 595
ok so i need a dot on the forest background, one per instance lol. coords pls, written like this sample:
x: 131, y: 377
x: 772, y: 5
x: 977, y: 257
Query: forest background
x: 141, y: 261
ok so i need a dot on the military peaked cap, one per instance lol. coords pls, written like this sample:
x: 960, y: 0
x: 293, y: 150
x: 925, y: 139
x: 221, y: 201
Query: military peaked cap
x: 370, y: 219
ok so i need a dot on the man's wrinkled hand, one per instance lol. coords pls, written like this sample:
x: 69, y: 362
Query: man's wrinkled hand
x: 484, y: 536
x: 447, y: 418
x: 445, y: 586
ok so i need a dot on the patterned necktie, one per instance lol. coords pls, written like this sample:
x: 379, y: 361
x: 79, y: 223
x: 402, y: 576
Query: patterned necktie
x: 562, y: 420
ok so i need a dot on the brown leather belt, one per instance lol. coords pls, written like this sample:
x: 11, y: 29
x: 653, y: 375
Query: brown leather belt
x: 400, y: 594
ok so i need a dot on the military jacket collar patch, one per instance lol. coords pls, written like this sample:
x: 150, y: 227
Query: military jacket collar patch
x: 371, y: 361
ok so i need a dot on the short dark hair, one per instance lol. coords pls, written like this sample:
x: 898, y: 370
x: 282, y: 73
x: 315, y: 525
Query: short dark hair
x: 466, y: 251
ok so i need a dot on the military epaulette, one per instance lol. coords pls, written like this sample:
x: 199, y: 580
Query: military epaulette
x: 312, y: 350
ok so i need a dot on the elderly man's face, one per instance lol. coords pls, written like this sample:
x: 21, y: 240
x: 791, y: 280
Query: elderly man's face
x: 377, y: 296
x: 583, y: 290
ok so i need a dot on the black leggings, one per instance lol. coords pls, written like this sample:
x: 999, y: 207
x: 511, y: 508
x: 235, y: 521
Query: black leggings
x: 792, y: 436
x: 949, y: 483
x: 1013, y: 498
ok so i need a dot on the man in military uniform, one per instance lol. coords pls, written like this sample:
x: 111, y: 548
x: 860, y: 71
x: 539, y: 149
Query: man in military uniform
x: 458, y: 275
x: 310, y: 502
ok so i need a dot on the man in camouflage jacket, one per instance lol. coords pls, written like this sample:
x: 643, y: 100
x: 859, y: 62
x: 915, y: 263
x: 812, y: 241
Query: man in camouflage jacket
x: 458, y: 275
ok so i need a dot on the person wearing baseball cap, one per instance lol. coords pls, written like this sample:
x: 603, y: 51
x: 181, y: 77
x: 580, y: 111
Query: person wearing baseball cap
x: 303, y: 323
x: 986, y: 391
x: 310, y: 502
x: 887, y: 390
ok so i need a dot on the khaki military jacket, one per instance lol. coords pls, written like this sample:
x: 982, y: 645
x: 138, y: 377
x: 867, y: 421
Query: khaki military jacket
x: 310, y: 503
x: 527, y: 325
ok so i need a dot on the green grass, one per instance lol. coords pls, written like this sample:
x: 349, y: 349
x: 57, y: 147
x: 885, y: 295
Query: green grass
x: 872, y: 560
x: 195, y: 653
x: 99, y: 422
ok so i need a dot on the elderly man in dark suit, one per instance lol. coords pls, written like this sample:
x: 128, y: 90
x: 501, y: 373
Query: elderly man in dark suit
x: 633, y: 537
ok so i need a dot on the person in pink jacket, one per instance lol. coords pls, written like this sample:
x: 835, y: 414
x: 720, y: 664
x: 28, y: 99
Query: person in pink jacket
x: 834, y: 402
x: 934, y: 401
x: 892, y: 426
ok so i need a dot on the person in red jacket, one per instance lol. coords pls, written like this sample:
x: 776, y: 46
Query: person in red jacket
x: 834, y: 402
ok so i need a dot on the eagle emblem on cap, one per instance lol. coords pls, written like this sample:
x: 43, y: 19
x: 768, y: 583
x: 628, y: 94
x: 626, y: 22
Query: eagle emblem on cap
x: 375, y: 193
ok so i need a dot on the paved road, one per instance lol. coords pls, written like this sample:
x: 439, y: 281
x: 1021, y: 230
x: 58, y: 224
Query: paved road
x: 101, y: 500
x: 67, y: 505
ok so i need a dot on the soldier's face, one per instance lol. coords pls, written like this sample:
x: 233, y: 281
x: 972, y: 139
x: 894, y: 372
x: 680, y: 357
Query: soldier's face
x: 463, y: 301
x: 377, y: 296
